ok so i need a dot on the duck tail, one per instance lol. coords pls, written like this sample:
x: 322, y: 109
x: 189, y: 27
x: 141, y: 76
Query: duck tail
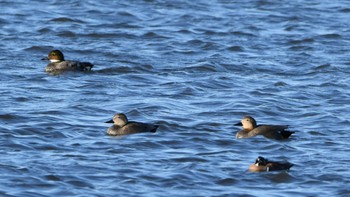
x: 286, y: 134
x: 154, y: 129
x: 85, y: 66
x: 289, y: 165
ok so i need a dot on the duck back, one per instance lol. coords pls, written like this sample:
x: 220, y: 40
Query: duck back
x: 132, y: 127
x: 275, y: 166
x: 277, y: 132
x: 68, y: 65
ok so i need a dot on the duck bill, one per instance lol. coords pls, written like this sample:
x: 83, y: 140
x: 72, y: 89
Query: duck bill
x: 238, y: 124
x: 45, y: 58
x: 110, y: 121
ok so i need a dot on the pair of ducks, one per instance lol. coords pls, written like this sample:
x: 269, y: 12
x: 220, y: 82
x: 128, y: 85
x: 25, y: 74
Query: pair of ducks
x: 121, y: 125
x: 277, y: 132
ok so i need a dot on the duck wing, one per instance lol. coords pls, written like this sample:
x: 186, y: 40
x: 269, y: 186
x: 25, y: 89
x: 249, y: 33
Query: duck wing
x: 273, y: 131
x: 274, y: 166
x: 139, y: 127
x: 81, y: 66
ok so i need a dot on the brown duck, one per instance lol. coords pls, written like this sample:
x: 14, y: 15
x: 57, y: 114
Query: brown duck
x: 251, y: 129
x: 121, y: 126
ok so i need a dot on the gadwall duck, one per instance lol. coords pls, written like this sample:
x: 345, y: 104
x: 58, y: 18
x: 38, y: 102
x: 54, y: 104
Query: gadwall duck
x: 251, y: 129
x: 121, y: 126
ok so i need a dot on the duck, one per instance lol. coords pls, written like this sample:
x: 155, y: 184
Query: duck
x: 251, y: 129
x: 263, y: 165
x: 121, y: 126
x: 59, y: 64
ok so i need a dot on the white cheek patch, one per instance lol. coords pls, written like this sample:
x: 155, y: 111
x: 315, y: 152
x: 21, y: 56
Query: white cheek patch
x: 53, y: 61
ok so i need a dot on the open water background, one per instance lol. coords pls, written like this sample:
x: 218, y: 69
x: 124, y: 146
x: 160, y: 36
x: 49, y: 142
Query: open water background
x: 193, y: 67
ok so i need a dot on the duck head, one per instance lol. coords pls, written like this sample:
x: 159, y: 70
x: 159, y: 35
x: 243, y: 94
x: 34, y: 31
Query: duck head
x: 247, y: 122
x: 261, y: 161
x: 119, y: 119
x: 54, y: 56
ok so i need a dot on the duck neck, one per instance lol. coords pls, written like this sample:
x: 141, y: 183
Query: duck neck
x: 55, y: 61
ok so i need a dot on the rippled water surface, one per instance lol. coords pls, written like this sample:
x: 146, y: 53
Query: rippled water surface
x: 193, y: 67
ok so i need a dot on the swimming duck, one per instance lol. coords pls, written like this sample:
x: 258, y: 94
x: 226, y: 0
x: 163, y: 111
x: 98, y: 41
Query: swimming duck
x: 263, y: 165
x: 251, y: 129
x: 57, y: 63
x: 122, y: 126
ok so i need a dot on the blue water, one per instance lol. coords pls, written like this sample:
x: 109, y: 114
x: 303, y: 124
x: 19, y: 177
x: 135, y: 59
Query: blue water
x: 193, y: 67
